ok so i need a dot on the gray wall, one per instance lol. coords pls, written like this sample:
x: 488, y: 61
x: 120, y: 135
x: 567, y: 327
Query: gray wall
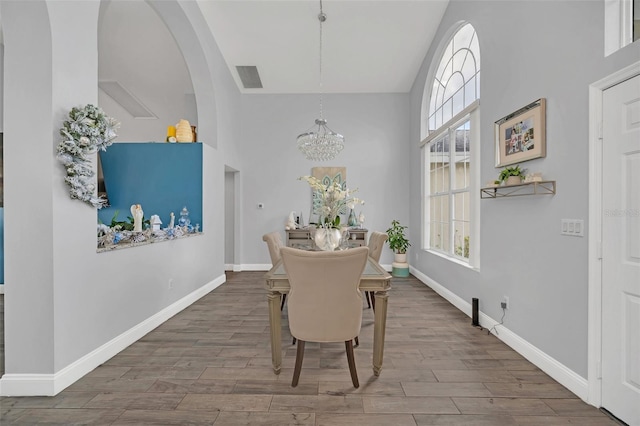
x: 375, y: 127
x: 529, y: 50
x: 64, y: 300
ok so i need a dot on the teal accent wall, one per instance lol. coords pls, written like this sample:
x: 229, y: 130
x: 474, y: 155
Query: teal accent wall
x: 161, y: 177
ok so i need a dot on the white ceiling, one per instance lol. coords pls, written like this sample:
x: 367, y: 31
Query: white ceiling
x: 368, y: 46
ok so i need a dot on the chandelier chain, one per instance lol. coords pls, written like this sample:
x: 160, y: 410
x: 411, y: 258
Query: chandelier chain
x: 321, y: 18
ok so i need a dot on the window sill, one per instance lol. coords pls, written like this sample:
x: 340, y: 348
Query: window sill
x: 452, y: 259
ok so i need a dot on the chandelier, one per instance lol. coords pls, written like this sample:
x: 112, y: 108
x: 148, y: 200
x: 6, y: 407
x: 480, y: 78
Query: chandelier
x: 320, y: 143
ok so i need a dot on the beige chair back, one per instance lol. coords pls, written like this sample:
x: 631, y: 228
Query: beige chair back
x: 325, y: 304
x: 376, y: 243
x: 274, y: 242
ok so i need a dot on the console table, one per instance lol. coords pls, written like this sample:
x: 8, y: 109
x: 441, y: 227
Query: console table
x: 302, y: 238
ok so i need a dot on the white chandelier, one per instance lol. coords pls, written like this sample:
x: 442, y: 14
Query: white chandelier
x: 320, y: 143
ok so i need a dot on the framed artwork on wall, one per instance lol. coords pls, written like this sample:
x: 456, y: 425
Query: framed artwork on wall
x: 521, y: 135
x: 327, y: 175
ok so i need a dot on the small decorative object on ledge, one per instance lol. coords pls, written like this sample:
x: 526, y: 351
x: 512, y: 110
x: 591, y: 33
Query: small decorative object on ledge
x: 352, y: 221
x: 155, y: 222
x: 87, y: 130
x: 291, y: 222
x: 171, y: 134
x: 184, y: 132
x: 184, y: 217
x: 138, y: 216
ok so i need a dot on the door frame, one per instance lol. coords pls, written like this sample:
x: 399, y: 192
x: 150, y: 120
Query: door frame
x: 594, y: 316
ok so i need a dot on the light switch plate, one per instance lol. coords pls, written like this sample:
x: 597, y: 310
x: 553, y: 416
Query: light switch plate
x: 572, y: 227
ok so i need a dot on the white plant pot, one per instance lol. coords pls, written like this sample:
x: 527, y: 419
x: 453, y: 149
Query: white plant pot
x: 514, y: 180
x: 400, y: 257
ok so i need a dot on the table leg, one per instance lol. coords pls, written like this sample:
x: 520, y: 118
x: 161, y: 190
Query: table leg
x: 379, y: 328
x: 273, y: 297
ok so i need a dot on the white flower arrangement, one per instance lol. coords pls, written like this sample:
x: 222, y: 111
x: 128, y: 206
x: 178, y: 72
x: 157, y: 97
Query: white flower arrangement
x: 86, y: 131
x: 333, y: 199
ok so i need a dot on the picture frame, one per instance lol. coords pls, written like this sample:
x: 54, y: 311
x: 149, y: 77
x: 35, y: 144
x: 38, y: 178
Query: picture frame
x: 521, y: 135
x: 327, y: 175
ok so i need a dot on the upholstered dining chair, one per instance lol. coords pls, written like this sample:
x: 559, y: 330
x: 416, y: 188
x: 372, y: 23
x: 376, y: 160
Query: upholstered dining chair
x: 274, y: 243
x: 376, y: 244
x: 325, y: 304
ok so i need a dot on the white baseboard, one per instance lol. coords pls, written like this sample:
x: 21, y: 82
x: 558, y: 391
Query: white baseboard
x: 255, y: 266
x: 558, y: 371
x: 52, y: 384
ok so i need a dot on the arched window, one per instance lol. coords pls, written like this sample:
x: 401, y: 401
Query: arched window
x: 456, y: 83
x: 450, y: 180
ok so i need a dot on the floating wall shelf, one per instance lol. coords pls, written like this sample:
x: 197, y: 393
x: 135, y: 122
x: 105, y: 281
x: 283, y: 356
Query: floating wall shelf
x: 545, y: 187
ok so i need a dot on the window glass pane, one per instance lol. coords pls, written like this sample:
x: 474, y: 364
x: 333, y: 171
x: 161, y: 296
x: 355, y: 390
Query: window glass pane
x: 446, y: 237
x: 458, y: 101
x: 455, y: 82
x: 459, y: 60
x: 446, y: 72
x: 461, y: 239
x: 475, y: 49
x: 446, y: 111
x: 433, y: 178
x: 435, y: 237
x: 470, y: 91
x: 446, y: 55
x: 462, y: 39
x: 468, y: 69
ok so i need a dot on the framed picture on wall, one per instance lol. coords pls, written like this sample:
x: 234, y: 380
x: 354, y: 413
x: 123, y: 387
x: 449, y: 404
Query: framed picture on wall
x: 520, y: 136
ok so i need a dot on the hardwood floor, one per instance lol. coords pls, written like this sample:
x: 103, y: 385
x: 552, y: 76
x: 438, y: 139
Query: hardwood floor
x: 211, y: 365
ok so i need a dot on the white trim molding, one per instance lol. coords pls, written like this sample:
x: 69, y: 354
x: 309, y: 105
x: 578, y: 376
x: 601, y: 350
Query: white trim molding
x: 558, y: 371
x: 52, y: 384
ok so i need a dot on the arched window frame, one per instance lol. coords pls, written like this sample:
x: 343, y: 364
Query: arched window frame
x: 433, y: 130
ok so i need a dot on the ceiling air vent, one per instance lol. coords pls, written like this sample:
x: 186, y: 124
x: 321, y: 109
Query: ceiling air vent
x: 249, y: 76
x: 126, y: 99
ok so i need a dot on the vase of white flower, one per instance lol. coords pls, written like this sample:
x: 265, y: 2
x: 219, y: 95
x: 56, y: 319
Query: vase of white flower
x: 327, y: 238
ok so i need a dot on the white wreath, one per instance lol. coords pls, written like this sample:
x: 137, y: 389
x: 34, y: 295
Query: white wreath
x: 86, y: 131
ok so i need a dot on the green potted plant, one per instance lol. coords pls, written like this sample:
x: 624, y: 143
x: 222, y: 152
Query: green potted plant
x: 512, y: 175
x: 397, y: 241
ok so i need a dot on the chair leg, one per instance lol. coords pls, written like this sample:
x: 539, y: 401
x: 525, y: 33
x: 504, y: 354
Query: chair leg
x: 357, y: 341
x: 298, y: 367
x: 352, y: 363
x: 284, y: 297
x: 373, y: 300
x: 294, y: 341
x: 366, y: 293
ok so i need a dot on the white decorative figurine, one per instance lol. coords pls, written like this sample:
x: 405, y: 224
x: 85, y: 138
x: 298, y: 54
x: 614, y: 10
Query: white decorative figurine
x: 137, y: 214
x: 172, y: 221
x: 361, y: 219
x: 155, y: 222
x: 291, y: 221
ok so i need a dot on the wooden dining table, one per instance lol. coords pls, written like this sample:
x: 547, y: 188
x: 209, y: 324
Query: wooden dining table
x: 374, y: 278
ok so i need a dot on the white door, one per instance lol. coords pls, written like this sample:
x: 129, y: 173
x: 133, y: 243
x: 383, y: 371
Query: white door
x: 621, y: 251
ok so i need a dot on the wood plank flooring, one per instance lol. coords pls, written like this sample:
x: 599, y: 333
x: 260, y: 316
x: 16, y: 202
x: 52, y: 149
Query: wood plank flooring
x: 211, y: 365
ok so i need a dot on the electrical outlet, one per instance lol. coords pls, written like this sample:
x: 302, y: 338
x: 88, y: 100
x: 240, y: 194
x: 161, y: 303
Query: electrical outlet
x: 505, y: 302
